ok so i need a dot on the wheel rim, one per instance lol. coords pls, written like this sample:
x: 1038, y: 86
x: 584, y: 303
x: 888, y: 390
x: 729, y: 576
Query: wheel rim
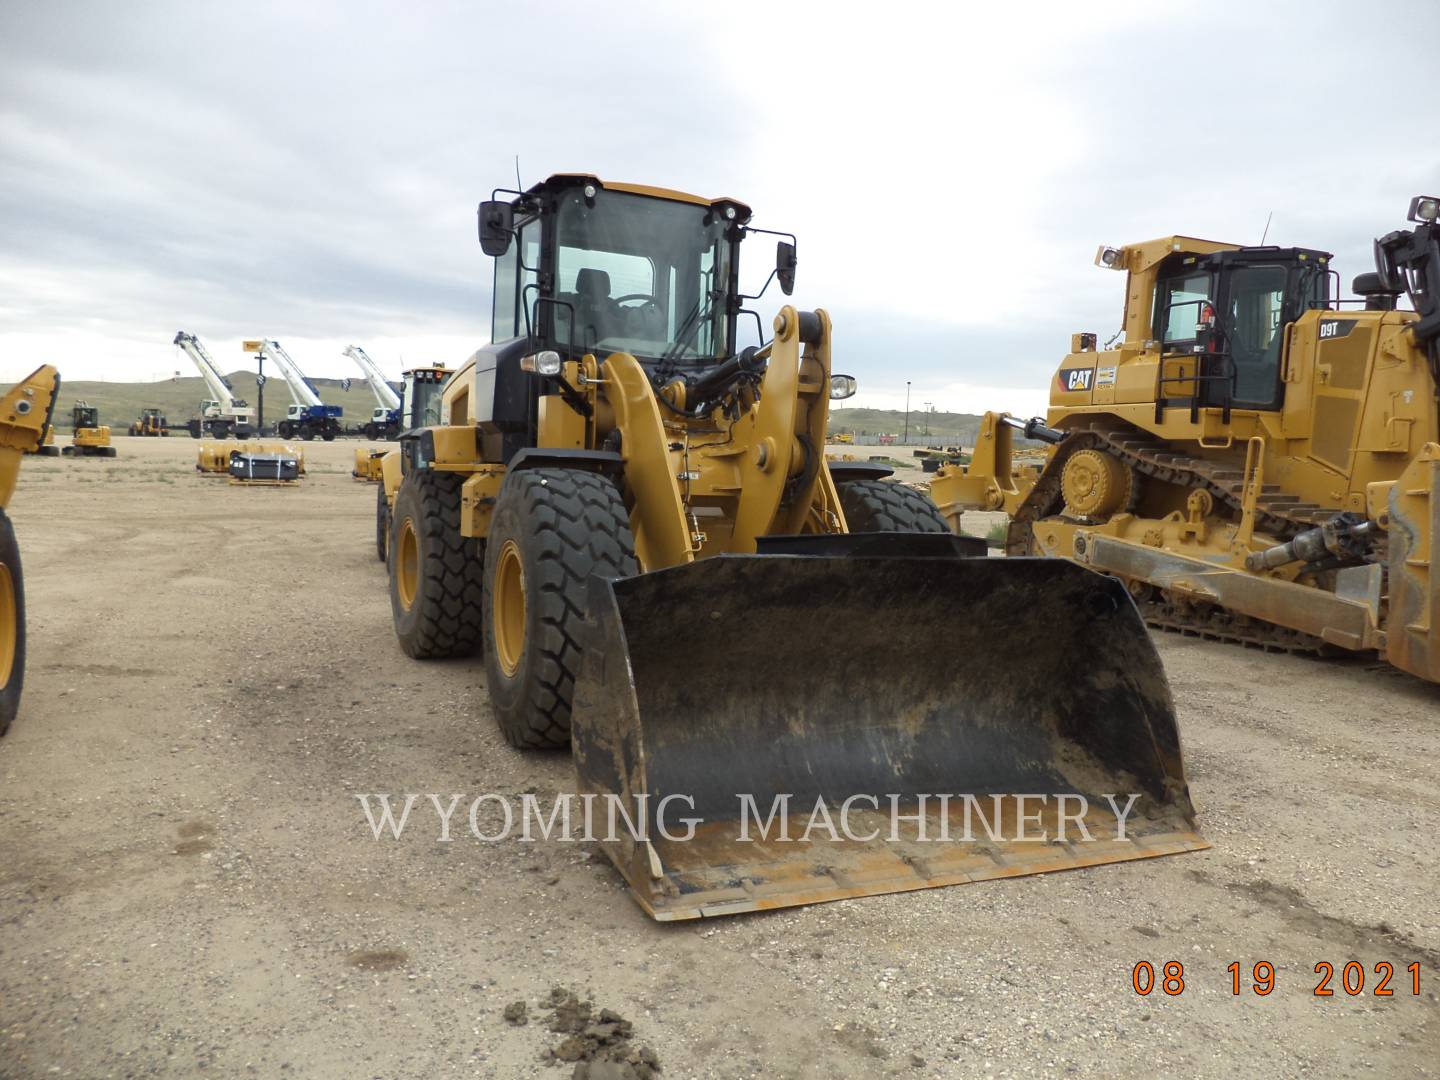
x: 407, y: 564
x: 509, y: 609
x: 9, y: 625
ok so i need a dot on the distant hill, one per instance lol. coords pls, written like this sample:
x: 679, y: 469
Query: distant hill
x: 950, y: 429
x: 179, y: 399
x: 120, y: 403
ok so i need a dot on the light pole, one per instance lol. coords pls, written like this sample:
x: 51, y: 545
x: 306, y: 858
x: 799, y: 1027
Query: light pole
x: 905, y: 439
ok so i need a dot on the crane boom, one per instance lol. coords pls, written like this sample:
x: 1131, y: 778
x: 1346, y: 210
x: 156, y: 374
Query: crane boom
x: 385, y: 395
x: 301, y: 388
x: 219, y: 385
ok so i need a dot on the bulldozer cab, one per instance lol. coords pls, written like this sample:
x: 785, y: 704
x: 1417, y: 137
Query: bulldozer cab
x: 1229, y: 310
x: 603, y: 268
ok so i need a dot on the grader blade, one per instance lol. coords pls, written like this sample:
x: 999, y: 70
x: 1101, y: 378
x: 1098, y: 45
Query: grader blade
x: 847, y: 726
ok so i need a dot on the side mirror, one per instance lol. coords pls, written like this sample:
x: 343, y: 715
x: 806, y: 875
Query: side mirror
x: 785, y: 266
x: 497, y: 221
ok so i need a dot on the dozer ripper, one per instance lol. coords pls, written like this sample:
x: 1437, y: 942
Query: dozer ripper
x: 90, y: 438
x: 634, y: 519
x: 1258, y: 460
x: 26, y: 415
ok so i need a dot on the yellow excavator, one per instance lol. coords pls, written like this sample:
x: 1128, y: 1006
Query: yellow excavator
x: 632, y: 517
x: 1258, y: 459
x: 26, y: 413
x: 89, y: 437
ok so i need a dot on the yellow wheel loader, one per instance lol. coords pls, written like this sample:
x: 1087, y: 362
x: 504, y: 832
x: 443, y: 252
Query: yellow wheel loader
x: 1257, y: 459
x: 26, y: 414
x: 634, y: 520
x: 90, y: 439
x: 150, y: 424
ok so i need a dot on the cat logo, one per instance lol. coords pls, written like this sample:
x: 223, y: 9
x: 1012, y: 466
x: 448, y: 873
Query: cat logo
x: 1074, y: 380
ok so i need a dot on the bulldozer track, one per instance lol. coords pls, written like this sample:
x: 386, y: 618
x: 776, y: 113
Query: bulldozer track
x: 1277, y: 514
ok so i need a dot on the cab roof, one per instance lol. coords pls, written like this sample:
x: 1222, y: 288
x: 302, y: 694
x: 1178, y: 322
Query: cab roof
x: 560, y: 181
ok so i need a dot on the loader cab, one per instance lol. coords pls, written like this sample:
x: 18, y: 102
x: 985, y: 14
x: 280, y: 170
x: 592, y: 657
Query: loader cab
x: 420, y: 402
x: 600, y: 268
x: 1229, y: 311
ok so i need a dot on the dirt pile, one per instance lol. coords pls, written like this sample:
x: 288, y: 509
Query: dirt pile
x: 598, y: 1041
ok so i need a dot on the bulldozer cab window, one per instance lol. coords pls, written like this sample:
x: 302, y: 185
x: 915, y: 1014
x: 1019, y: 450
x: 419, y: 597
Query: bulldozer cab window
x: 641, y: 275
x: 1181, y: 300
x: 1253, y: 335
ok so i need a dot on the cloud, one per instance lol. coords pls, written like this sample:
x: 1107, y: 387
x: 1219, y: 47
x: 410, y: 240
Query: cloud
x: 310, y: 172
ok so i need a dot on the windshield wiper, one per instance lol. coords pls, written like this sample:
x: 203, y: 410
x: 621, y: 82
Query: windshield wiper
x: 690, y: 325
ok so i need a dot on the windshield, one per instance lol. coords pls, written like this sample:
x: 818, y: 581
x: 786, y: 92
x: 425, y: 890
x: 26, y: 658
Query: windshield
x: 641, y: 275
x: 422, y: 398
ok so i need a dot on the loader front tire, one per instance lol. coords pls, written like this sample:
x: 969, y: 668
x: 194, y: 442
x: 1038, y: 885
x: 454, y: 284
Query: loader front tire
x: 885, y: 506
x: 435, y: 581
x: 552, y: 530
x: 382, y: 521
x: 12, y: 624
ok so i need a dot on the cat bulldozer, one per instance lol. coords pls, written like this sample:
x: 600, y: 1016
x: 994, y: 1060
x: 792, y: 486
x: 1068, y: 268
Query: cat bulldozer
x: 1258, y: 460
x: 634, y: 519
x: 90, y: 438
x: 26, y: 414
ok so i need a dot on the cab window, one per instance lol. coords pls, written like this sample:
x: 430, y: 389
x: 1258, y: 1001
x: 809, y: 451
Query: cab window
x: 1254, y: 323
x: 1180, y: 304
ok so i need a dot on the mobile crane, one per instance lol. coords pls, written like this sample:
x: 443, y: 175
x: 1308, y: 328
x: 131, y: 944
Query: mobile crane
x: 223, y: 414
x: 385, y: 420
x: 308, y: 416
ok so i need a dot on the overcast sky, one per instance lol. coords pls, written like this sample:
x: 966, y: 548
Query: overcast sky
x: 309, y: 171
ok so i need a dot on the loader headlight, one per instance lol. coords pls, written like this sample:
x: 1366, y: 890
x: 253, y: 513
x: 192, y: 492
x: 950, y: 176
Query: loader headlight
x: 1424, y: 209
x: 546, y: 362
x: 1110, y: 258
x: 842, y: 387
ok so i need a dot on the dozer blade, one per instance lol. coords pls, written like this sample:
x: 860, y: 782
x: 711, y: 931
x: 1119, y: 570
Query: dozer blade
x: 998, y: 683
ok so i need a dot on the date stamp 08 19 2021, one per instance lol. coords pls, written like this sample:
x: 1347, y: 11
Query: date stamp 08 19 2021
x: 1260, y: 979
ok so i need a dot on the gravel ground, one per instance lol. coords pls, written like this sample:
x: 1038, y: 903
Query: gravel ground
x: 188, y: 886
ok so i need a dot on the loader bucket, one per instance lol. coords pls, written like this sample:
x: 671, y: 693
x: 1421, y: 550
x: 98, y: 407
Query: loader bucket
x: 949, y: 700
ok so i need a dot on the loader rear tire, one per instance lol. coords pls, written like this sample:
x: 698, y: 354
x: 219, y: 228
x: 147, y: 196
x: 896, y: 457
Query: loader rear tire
x: 553, y: 529
x: 435, y: 572
x: 382, y: 522
x: 885, y: 506
x: 12, y: 624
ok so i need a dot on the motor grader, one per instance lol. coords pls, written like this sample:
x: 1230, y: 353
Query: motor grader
x: 633, y: 518
x: 26, y: 414
x: 1258, y: 458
